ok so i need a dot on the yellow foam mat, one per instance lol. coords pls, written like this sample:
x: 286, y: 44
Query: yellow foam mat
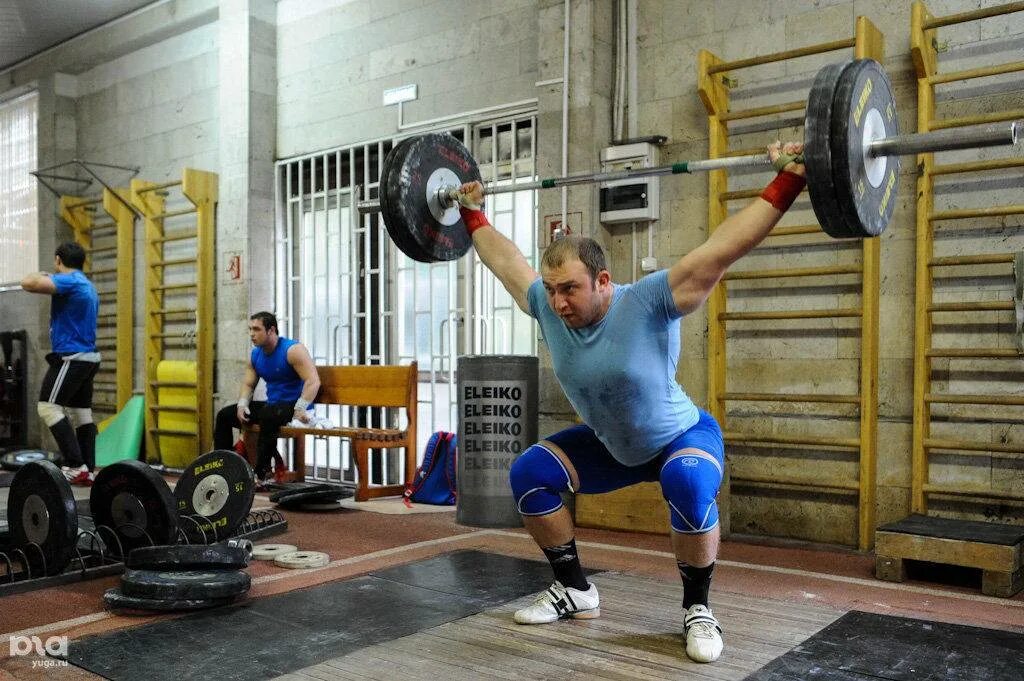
x: 177, y: 451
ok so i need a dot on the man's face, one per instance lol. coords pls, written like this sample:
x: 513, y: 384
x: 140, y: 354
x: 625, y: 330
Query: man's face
x: 258, y: 334
x: 573, y: 295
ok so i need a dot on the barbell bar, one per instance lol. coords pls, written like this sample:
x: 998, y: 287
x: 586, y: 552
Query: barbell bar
x: 851, y: 148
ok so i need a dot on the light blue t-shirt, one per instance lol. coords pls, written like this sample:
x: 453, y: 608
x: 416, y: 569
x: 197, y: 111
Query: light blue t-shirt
x: 73, y: 311
x: 619, y: 374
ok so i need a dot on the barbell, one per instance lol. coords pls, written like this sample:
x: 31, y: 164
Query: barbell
x: 851, y: 150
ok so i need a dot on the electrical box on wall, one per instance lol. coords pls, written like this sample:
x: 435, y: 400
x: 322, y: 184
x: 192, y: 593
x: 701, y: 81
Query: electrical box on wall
x: 630, y: 199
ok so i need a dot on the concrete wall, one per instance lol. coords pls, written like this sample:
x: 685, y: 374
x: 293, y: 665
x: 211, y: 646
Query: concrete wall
x: 233, y: 85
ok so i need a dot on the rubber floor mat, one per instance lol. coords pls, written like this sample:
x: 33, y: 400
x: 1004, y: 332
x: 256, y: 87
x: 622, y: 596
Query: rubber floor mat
x: 862, y: 646
x: 266, y: 637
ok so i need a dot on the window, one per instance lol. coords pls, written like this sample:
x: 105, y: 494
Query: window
x: 352, y: 297
x: 19, y: 223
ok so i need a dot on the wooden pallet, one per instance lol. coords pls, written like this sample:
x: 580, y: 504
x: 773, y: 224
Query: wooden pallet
x: 996, y: 549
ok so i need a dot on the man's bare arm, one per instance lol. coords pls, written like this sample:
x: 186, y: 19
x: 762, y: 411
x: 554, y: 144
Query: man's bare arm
x: 39, y: 282
x: 500, y: 254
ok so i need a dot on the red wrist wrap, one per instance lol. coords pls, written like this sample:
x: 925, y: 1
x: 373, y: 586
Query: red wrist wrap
x: 783, y: 190
x: 474, y: 219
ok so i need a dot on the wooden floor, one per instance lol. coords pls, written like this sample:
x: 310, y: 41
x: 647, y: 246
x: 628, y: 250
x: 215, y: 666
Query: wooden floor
x: 637, y: 636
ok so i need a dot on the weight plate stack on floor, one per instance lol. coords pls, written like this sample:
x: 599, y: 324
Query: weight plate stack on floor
x: 184, y: 557
x: 184, y: 586
x: 14, y: 460
x: 299, y: 498
x: 135, y: 502
x: 864, y: 110
x: 41, y: 512
x: 295, y: 487
x: 214, y: 495
x: 116, y: 600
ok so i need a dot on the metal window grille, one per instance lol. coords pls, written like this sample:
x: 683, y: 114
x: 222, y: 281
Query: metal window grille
x: 352, y: 297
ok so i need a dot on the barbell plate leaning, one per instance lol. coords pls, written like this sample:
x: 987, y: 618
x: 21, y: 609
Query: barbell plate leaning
x: 864, y: 110
x: 219, y: 487
x: 136, y: 503
x: 41, y: 510
x: 420, y: 226
x: 818, y: 150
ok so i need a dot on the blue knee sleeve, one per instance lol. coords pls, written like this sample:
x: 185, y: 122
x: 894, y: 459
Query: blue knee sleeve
x: 537, y: 477
x: 690, y: 484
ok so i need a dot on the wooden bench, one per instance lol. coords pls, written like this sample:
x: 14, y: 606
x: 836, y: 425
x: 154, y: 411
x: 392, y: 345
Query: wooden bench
x: 364, y: 386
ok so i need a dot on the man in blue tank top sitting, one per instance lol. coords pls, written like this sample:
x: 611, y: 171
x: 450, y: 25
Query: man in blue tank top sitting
x: 614, y: 349
x: 292, y: 384
x: 73, y: 362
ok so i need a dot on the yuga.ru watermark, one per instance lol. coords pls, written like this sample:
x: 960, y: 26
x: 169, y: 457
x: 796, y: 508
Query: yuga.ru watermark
x: 54, y: 646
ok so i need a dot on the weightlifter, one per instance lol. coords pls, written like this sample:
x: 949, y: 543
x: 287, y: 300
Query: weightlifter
x: 73, y: 360
x: 614, y: 348
x: 292, y: 384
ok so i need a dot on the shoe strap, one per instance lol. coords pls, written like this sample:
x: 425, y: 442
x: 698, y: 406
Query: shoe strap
x: 561, y: 601
x: 702, y: 618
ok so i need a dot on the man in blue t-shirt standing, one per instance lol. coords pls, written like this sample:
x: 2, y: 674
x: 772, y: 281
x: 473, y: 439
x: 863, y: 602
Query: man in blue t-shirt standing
x: 614, y: 349
x: 73, y: 360
x: 292, y: 384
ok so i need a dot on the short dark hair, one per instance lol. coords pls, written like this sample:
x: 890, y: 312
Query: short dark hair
x: 583, y: 248
x: 268, y: 320
x: 71, y: 254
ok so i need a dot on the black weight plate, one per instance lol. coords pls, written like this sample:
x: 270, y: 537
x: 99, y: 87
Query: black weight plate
x: 115, y: 600
x: 421, y: 165
x: 41, y: 510
x: 217, y: 490
x: 297, y: 487
x: 818, y: 150
x: 135, y: 502
x: 13, y: 460
x: 299, y: 498
x: 184, y: 586
x: 402, y: 237
x: 864, y: 109
x: 184, y: 557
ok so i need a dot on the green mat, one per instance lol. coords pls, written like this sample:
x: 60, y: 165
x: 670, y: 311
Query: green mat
x: 121, y: 437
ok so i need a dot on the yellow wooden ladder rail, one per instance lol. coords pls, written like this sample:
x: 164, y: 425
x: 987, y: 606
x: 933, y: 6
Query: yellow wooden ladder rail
x: 923, y: 42
x: 200, y: 189
x: 713, y: 87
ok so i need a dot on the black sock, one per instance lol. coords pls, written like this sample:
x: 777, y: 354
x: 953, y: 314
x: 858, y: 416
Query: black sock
x: 696, y: 582
x: 67, y: 442
x: 86, y: 435
x: 566, y: 565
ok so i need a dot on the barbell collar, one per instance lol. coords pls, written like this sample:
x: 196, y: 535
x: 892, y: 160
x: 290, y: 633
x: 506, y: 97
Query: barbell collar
x: 947, y: 140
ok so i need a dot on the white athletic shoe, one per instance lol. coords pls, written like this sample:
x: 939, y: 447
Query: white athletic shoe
x: 559, y: 602
x: 703, y: 634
